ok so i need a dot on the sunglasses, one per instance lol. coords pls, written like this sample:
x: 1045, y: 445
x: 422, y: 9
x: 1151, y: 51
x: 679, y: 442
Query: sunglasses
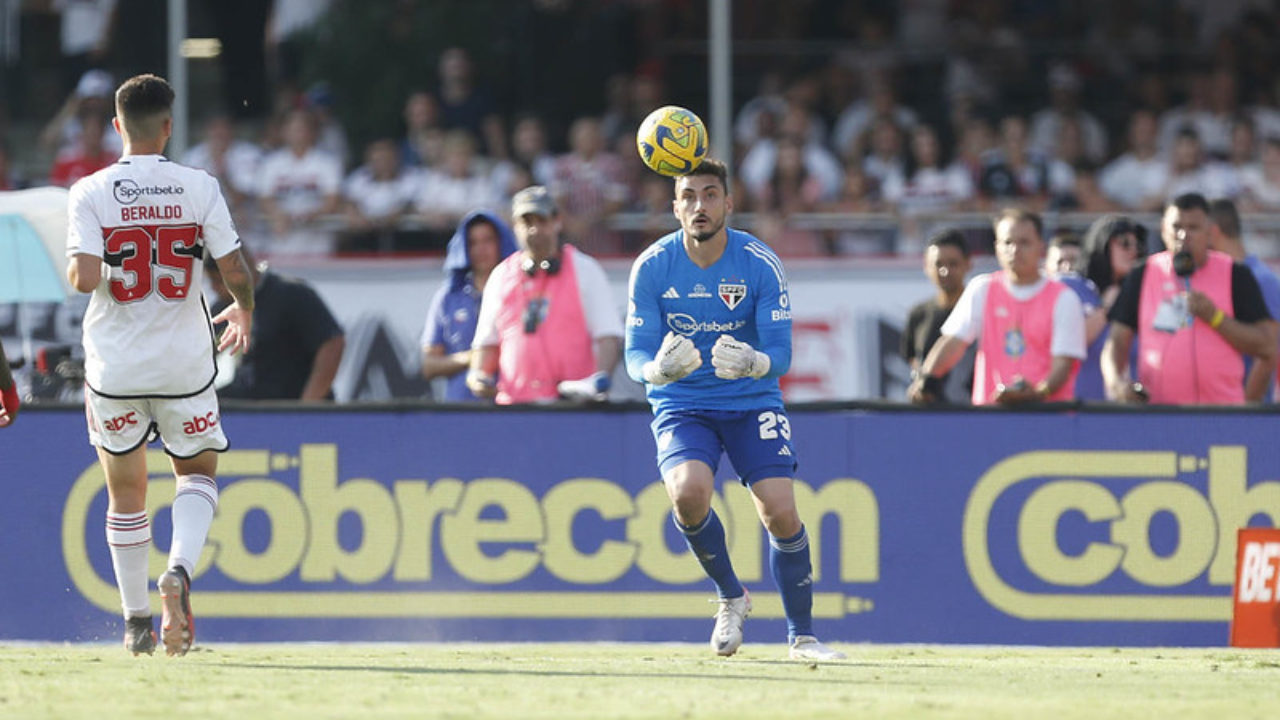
x: 1126, y: 242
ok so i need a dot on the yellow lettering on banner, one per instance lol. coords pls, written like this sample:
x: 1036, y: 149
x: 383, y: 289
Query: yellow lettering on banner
x: 289, y: 532
x: 1038, y: 533
x: 419, y: 505
x: 327, y: 501
x: 489, y: 530
x: 1235, y: 505
x: 463, y: 532
x: 561, y: 556
x: 647, y: 529
x: 854, y: 505
x: 1195, y: 534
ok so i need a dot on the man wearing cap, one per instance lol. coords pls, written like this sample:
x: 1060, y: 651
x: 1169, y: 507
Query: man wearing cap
x: 548, y: 327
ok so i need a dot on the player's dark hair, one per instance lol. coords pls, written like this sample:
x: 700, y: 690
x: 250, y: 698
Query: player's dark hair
x: 143, y: 102
x: 950, y: 238
x: 1224, y: 214
x: 1018, y: 215
x: 712, y: 166
x: 1191, y: 201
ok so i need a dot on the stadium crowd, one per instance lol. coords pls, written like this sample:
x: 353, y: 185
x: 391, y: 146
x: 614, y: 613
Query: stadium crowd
x: 1089, y: 107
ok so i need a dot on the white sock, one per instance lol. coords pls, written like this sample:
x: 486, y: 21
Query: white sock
x: 194, y: 501
x: 129, y: 537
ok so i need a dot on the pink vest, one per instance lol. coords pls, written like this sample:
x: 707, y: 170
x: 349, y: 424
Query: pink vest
x: 1017, y: 340
x: 1194, y: 364
x: 530, y: 365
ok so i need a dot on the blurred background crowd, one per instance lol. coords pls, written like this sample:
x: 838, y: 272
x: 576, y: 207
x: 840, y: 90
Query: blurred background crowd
x: 354, y: 128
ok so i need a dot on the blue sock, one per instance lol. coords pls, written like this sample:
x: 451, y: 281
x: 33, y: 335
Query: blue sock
x: 706, y: 540
x: 792, y: 573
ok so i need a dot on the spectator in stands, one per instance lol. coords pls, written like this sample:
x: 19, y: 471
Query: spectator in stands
x: 86, y: 27
x: 759, y: 160
x: 946, y: 264
x: 1211, y: 106
x: 1137, y: 178
x: 1029, y: 329
x: 1064, y: 263
x: 791, y: 190
x: 94, y: 95
x: 886, y: 154
x: 377, y: 195
x: 1226, y: 236
x: 1013, y: 172
x: 768, y: 101
x: 331, y: 137
x: 480, y: 243
x: 468, y: 106
x: 1261, y: 183
x: 298, y: 185
x: 529, y: 157
x: 548, y: 326
x: 857, y: 197
x: 590, y: 186
x: 926, y: 183
x: 1086, y: 194
x: 296, y: 345
x: 446, y: 194
x: 1064, y: 107
x: 233, y: 161
x: 976, y: 141
x: 87, y: 157
x: 1191, y: 172
x: 1194, y: 313
x: 879, y: 104
x: 1243, y: 153
x: 420, y: 145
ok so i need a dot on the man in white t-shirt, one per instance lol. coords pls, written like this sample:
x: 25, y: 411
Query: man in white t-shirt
x: 298, y: 185
x: 137, y: 232
x: 1029, y: 328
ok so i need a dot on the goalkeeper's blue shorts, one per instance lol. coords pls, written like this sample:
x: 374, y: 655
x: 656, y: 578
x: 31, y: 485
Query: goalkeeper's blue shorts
x: 758, y: 442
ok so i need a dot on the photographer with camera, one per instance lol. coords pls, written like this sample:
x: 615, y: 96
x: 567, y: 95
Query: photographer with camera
x: 548, y: 327
x: 1195, y: 313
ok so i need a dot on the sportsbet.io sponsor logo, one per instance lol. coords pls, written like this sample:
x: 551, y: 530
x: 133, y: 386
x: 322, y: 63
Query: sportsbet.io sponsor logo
x: 684, y: 324
x: 1092, y: 530
x: 127, y: 191
x: 276, y: 543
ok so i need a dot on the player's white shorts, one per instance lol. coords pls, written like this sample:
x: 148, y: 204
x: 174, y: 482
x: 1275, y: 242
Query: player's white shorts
x: 188, y: 425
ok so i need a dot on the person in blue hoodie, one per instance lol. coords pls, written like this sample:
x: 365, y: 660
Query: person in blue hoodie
x: 481, y: 241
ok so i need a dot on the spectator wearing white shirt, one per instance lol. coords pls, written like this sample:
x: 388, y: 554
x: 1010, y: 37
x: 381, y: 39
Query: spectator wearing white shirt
x: 924, y: 184
x: 1064, y: 99
x: 232, y: 161
x: 376, y: 197
x: 856, y: 121
x: 458, y: 186
x: 1190, y: 172
x: 297, y: 186
x: 759, y: 161
x: 1261, y: 182
x: 1135, y: 179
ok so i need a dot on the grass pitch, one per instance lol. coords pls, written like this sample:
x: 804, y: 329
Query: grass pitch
x: 663, y: 681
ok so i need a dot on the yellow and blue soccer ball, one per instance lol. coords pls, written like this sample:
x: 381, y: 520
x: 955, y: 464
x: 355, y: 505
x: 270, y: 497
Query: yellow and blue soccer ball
x: 672, y: 141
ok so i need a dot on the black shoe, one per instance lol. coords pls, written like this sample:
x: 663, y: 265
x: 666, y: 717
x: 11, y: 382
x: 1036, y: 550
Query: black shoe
x: 139, y: 635
x: 178, y: 628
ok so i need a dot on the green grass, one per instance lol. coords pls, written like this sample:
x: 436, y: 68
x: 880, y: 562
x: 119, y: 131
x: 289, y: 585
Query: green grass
x: 664, y: 681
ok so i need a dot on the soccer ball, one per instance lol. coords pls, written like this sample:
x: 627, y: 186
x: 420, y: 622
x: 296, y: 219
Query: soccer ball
x: 672, y: 141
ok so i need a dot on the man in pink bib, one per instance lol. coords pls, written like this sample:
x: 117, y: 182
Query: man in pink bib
x: 1029, y: 328
x: 548, y: 327
x: 1195, y: 313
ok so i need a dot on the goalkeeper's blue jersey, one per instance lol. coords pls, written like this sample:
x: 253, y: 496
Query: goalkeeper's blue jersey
x: 744, y: 294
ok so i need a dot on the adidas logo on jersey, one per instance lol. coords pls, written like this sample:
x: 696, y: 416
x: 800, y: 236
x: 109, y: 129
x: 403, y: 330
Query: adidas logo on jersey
x: 671, y: 294
x: 785, y: 451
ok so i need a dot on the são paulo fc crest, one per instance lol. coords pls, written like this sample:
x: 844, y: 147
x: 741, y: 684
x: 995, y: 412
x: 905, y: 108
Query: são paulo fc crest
x: 732, y: 294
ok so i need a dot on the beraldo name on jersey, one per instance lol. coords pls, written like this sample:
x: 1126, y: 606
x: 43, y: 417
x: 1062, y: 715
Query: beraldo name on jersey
x: 148, y: 212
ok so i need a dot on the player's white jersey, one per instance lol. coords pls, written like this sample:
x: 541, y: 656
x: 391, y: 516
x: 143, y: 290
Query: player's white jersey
x: 147, y: 330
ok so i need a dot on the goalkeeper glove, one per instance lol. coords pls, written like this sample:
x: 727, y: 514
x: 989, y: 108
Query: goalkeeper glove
x: 735, y: 359
x: 9, y: 403
x: 591, y: 387
x: 675, y: 359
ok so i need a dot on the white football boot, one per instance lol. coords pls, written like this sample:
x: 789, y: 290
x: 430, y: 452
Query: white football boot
x: 726, y: 638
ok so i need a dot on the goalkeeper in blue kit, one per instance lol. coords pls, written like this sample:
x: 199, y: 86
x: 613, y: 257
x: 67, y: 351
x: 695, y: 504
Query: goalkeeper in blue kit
x: 709, y: 334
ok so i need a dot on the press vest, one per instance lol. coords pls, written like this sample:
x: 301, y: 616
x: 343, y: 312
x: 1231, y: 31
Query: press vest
x: 1017, y: 340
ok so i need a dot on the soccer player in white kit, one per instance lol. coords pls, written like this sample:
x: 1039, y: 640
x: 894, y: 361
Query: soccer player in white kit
x: 138, y: 231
